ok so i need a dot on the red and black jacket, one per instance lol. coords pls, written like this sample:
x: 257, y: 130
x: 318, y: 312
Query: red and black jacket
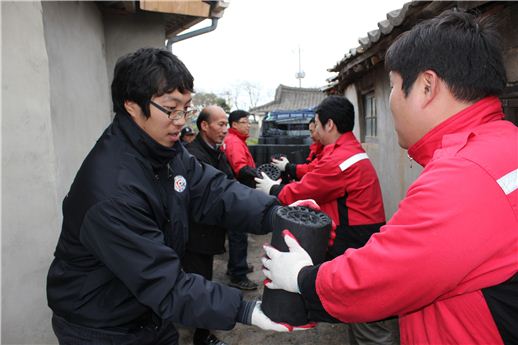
x: 240, y: 158
x: 345, y: 185
x: 447, y: 261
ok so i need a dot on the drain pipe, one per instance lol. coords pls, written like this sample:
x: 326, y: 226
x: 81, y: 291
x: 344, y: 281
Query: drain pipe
x: 190, y: 34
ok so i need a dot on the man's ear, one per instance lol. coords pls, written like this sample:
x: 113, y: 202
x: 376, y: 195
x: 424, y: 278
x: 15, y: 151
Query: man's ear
x: 330, y: 124
x: 133, y: 109
x: 204, y: 125
x: 429, y: 86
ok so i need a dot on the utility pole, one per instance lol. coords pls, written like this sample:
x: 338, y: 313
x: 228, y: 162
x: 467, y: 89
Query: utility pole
x: 300, y: 74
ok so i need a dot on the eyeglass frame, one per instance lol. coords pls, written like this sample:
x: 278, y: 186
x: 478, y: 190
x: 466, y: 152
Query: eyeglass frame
x: 178, y: 114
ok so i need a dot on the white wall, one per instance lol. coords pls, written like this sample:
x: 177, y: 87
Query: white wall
x: 30, y: 209
x: 79, y: 88
x: 56, y: 103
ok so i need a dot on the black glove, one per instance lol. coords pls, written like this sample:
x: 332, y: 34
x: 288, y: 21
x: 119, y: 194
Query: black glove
x: 246, y: 176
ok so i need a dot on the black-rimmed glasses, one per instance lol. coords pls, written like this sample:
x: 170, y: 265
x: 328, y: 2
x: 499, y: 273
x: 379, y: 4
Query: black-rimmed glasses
x: 175, y: 115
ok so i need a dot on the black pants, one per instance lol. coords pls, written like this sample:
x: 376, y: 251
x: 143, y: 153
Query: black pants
x: 72, y: 334
x: 237, y: 252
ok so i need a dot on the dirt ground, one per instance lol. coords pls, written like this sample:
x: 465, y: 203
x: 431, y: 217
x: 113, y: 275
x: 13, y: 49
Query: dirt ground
x: 325, y: 334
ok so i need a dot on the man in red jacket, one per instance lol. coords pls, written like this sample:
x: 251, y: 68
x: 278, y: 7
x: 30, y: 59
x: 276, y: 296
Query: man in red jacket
x: 345, y: 185
x: 447, y: 261
x: 243, y: 166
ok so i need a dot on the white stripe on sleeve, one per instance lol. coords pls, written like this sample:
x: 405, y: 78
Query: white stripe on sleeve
x: 509, y: 182
x: 351, y: 160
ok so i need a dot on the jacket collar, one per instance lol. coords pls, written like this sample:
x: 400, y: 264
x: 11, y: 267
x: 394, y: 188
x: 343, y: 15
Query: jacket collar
x: 486, y: 110
x: 236, y: 133
x: 157, y: 154
x: 344, y: 138
x: 212, y: 150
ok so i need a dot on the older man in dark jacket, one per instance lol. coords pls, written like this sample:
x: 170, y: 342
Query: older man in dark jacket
x: 205, y: 240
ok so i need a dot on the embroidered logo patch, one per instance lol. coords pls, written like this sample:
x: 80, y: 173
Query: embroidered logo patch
x: 179, y: 183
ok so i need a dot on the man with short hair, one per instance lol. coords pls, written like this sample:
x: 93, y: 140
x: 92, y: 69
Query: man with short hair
x: 446, y: 263
x: 345, y: 185
x: 243, y: 166
x: 205, y: 240
x: 116, y: 277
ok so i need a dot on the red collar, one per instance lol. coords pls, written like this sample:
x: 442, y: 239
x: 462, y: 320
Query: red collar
x: 238, y: 134
x: 486, y: 110
x: 345, y: 138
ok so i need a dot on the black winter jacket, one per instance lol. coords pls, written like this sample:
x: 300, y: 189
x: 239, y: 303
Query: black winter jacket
x: 207, y: 239
x: 125, y: 225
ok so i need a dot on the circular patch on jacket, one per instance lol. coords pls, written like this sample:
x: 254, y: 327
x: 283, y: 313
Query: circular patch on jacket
x: 179, y: 183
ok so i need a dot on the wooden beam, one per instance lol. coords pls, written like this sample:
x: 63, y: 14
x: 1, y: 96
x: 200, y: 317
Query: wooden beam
x: 196, y: 8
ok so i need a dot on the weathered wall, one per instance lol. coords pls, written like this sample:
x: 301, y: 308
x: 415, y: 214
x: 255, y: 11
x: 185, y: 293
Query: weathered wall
x: 79, y: 89
x: 30, y: 212
x: 56, y: 93
x: 125, y: 34
x: 507, y: 20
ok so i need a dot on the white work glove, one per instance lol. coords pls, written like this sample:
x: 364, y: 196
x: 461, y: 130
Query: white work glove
x: 280, y: 163
x: 265, y: 184
x: 262, y: 321
x: 282, y: 268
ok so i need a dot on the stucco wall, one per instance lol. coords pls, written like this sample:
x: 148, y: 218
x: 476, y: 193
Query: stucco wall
x: 79, y: 89
x: 30, y: 212
x: 125, y: 34
x: 56, y: 103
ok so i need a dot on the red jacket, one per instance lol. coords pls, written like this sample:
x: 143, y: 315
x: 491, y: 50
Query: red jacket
x: 345, y: 185
x: 315, y: 151
x: 237, y: 151
x: 443, y: 263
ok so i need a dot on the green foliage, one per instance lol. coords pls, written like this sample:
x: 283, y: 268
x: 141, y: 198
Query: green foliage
x: 203, y: 99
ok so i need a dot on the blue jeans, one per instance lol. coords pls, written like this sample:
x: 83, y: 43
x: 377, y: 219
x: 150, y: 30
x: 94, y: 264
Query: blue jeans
x: 237, y: 252
x: 72, y: 334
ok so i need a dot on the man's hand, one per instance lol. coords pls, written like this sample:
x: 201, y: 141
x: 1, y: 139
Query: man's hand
x: 282, y: 268
x: 265, y: 184
x: 309, y: 203
x: 262, y: 321
x: 280, y: 163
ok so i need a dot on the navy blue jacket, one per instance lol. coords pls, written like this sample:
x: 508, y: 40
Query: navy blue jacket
x: 125, y: 225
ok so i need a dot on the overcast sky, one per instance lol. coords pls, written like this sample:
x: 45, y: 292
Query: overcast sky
x: 257, y: 41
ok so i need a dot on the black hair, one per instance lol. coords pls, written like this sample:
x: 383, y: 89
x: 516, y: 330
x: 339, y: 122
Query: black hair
x: 203, y: 116
x: 462, y: 49
x: 338, y: 109
x: 146, y: 73
x: 236, y: 115
x: 311, y: 121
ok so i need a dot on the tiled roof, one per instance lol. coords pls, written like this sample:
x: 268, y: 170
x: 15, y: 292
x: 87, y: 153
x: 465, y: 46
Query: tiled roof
x: 292, y: 98
x: 373, y: 46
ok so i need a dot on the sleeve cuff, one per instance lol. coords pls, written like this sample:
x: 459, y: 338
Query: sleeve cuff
x: 268, y: 219
x: 307, y: 279
x: 291, y: 170
x: 276, y: 189
x: 244, y: 314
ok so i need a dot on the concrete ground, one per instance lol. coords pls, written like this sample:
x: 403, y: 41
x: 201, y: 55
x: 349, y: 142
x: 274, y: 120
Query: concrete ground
x: 328, y: 334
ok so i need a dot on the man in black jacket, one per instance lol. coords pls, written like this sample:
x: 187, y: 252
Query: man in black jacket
x: 205, y: 241
x: 116, y: 277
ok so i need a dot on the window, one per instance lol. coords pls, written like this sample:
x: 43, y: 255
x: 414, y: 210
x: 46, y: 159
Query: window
x: 369, y: 118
